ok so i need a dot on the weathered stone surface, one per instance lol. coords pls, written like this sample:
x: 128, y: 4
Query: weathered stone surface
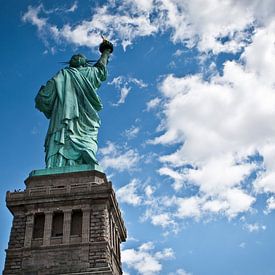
x: 93, y: 251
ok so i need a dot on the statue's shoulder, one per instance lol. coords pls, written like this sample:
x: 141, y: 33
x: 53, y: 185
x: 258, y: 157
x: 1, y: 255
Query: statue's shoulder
x: 60, y: 72
x: 66, y: 69
x: 85, y: 71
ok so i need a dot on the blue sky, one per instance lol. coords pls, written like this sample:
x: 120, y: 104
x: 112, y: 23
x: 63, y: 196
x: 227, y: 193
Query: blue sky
x: 187, y: 136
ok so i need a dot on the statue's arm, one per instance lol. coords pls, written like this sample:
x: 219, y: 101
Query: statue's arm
x: 100, y: 68
x: 98, y: 72
x: 106, y: 48
x: 104, y: 57
x: 45, y: 98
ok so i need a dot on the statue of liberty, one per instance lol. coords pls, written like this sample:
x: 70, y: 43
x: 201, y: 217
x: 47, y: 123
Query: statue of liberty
x: 71, y: 103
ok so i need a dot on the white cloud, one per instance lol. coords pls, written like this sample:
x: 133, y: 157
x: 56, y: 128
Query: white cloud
x: 160, y: 211
x: 238, y: 201
x: 153, y: 103
x: 169, y: 212
x: 176, y: 176
x: 142, y: 5
x: 80, y: 35
x: 121, y: 162
x: 124, y: 85
x: 144, y: 260
x: 128, y: 193
x: 170, y: 172
x: 120, y: 25
x: 149, y: 191
x: 126, y: 27
x: 270, y: 204
x: 132, y: 132
x: 215, y: 206
x: 178, y: 52
x: 163, y: 220
x: 166, y: 253
x: 32, y: 16
x: 210, y: 25
x: 180, y: 271
x: 218, y: 174
x: 221, y: 127
x: 242, y: 245
x: 117, y: 158
x: 123, y: 94
x: 73, y: 7
x: 218, y: 192
x: 111, y: 148
x: 266, y: 182
x: 138, y: 82
x: 254, y: 227
x: 147, y: 246
x: 188, y: 207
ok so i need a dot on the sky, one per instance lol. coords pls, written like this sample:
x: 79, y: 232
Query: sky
x: 188, y: 125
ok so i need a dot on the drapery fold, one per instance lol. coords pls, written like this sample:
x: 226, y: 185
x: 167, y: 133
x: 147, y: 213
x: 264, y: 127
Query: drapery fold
x: 72, y: 104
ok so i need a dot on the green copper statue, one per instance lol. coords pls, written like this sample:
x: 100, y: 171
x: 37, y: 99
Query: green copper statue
x: 72, y: 104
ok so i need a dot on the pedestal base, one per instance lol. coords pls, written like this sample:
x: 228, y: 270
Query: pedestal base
x: 66, y: 169
x: 65, y: 223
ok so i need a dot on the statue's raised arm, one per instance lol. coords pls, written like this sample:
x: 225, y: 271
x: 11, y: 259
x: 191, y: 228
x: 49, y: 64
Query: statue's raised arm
x: 106, y: 48
x: 71, y: 102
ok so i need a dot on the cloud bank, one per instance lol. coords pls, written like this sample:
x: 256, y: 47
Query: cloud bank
x: 211, y: 26
x: 223, y: 125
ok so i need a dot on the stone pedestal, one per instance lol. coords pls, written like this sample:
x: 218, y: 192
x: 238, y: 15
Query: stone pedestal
x: 66, y: 223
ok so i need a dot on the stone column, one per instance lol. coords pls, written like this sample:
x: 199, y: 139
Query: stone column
x: 67, y: 226
x: 86, y: 225
x: 29, y: 230
x: 47, y: 228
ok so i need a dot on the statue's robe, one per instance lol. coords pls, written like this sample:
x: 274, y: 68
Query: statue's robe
x: 71, y: 103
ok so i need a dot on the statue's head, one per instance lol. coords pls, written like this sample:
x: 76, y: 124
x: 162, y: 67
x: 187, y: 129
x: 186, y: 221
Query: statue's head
x: 78, y: 60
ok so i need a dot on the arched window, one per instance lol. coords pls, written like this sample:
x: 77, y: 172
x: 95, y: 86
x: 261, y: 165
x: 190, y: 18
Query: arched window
x: 38, y: 226
x: 57, y: 225
x: 76, y: 222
